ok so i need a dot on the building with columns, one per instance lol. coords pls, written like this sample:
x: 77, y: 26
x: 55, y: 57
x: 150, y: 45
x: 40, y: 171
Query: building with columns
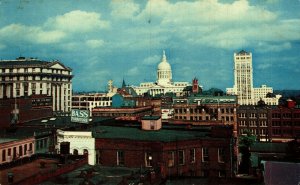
x: 164, y: 83
x: 24, y: 77
x: 243, y: 82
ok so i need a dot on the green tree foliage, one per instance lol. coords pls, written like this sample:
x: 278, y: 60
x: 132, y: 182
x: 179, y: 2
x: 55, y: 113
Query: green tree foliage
x: 245, y: 142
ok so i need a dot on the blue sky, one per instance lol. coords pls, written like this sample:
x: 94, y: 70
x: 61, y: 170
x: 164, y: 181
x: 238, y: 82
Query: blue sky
x: 102, y: 40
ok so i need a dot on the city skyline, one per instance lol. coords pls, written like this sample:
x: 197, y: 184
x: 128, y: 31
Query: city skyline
x: 103, y: 40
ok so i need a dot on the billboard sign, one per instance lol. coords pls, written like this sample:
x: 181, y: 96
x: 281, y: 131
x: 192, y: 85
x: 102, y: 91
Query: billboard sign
x: 80, y: 116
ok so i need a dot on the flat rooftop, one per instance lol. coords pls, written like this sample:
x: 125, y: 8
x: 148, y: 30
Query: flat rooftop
x: 136, y: 133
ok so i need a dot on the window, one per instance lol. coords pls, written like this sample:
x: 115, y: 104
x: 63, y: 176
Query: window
x: 171, y: 160
x: 192, y: 155
x: 221, y: 155
x: 98, y: 156
x: 30, y: 147
x: 204, y: 173
x: 181, y: 159
x: 120, y: 158
x: 222, y: 173
x: 3, y: 155
x: 152, y: 125
x: 148, y: 159
x: 9, y: 152
x: 205, y: 157
x: 20, y: 150
x: 25, y: 149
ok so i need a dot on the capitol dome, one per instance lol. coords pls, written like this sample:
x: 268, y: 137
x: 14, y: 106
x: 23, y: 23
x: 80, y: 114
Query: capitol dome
x: 164, y: 72
x: 164, y: 65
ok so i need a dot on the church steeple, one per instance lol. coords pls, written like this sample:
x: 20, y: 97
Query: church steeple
x: 123, y: 83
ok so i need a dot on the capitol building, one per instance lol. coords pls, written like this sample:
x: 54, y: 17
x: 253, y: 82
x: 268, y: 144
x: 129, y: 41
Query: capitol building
x: 164, y: 83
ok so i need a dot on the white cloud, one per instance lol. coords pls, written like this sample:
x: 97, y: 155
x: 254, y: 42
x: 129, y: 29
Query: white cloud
x: 78, y: 21
x: 266, y: 47
x: 94, y: 43
x: 152, y: 60
x: 31, y: 34
x: 210, y: 11
x: 124, y: 9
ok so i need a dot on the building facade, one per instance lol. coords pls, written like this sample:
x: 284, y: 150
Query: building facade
x: 14, y: 149
x: 80, y: 143
x: 269, y: 123
x: 170, y: 152
x: 20, y: 110
x: 206, y: 109
x: 164, y: 83
x: 254, y: 119
x: 123, y: 113
x: 25, y: 77
x: 285, y: 124
x: 243, y: 82
x: 90, y: 101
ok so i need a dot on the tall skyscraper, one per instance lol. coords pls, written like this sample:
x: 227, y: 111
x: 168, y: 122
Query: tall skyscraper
x: 243, y: 82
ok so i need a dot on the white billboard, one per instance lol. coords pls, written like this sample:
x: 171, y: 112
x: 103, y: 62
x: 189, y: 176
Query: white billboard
x: 80, y: 116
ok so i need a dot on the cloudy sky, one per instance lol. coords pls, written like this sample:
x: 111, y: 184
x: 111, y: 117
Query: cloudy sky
x: 103, y: 39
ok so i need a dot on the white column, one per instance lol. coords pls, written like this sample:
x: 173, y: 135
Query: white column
x: 57, y: 97
x: 53, y: 97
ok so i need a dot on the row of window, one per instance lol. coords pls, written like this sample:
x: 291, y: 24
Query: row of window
x: 252, y: 115
x: 253, y: 123
x: 286, y: 115
x: 197, y: 110
x: 181, y: 157
x: 26, y: 70
x: 16, y: 152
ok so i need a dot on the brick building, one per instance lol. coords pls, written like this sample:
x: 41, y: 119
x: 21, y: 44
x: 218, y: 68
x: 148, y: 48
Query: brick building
x: 285, y: 122
x: 21, y: 109
x: 198, y: 151
x: 276, y: 124
x: 124, y: 113
x: 206, y: 109
x: 256, y: 119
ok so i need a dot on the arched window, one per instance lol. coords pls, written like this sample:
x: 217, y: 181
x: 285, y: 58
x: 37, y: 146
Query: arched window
x: 85, y: 152
x: 75, y: 152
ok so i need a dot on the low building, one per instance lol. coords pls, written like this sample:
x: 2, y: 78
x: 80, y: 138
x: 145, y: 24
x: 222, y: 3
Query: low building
x: 170, y: 152
x: 285, y: 122
x: 255, y: 119
x: 12, y: 149
x: 270, y: 123
x: 20, y: 110
x: 124, y: 113
x: 80, y: 143
x: 90, y: 101
x: 206, y: 109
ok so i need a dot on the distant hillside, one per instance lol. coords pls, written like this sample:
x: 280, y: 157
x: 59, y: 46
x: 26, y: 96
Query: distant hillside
x: 288, y: 93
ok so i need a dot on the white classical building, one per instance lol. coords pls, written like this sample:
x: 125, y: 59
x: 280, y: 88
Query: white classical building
x: 28, y: 76
x: 243, y: 83
x: 81, y: 142
x: 164, y: 83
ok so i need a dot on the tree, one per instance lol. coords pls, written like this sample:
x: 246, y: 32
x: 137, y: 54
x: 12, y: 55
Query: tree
x: 245, y: 142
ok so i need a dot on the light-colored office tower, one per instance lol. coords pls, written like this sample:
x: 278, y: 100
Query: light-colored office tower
x: 243, y: 83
